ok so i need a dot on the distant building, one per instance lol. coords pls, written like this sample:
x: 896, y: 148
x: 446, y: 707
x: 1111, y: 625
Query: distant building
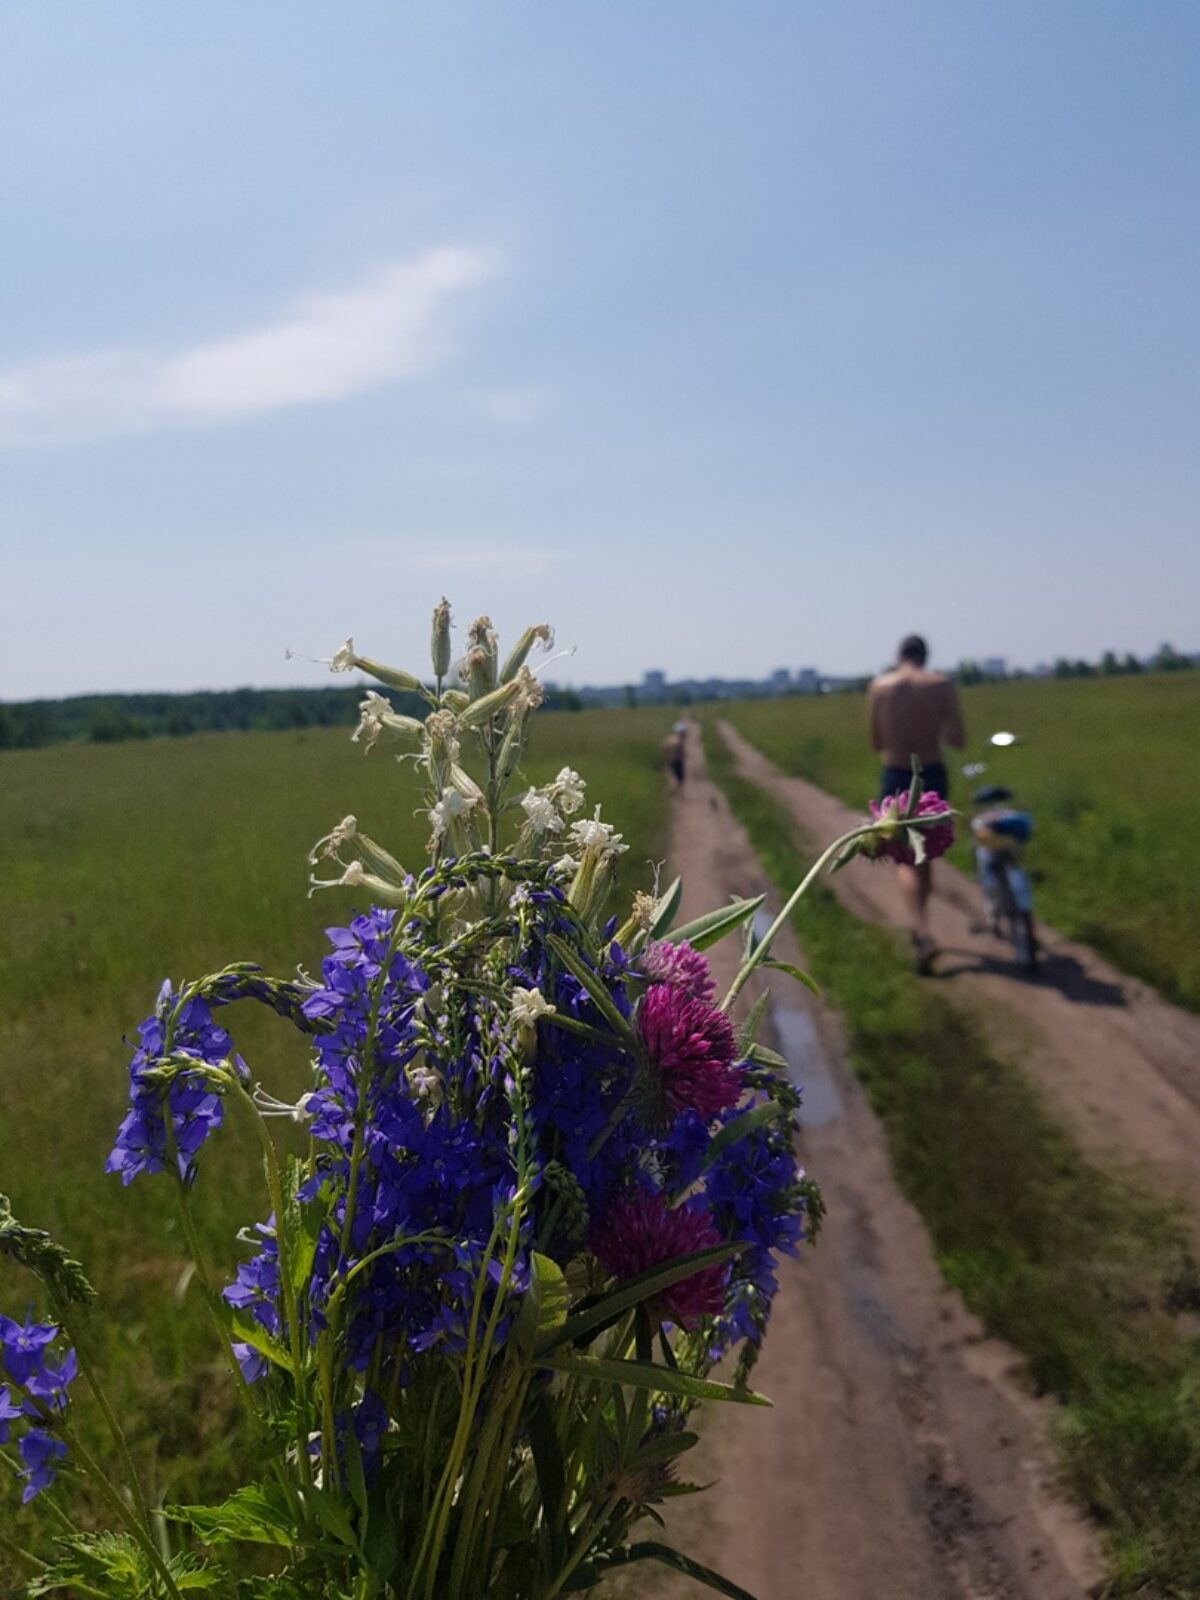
x: 780, y: 681
x: 808, y: 681
x: 654, y: 686
x: 994, y: 667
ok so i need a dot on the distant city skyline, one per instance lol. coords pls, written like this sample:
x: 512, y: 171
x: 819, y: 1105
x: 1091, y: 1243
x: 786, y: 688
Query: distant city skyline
x: 718, y: 343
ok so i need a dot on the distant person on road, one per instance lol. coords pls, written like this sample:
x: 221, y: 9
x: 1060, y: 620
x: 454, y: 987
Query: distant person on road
x: 914, y: 712
x: 675, y: 752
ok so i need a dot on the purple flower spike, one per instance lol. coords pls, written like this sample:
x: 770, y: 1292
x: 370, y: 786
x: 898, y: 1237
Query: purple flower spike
x: 691, y: 1049
x: 641, y: 1231
x: 196, y: 1110
x: 680, y: 966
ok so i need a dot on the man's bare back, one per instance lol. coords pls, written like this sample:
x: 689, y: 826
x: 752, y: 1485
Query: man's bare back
x: 913, y: 713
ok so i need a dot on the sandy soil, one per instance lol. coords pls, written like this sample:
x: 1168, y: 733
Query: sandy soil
x: 1115, y: 1061
x: 903, y: 1459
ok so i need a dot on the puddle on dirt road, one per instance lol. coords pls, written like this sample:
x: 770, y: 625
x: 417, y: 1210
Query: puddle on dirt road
x: 807, y: 1067
x: 800, y: 1044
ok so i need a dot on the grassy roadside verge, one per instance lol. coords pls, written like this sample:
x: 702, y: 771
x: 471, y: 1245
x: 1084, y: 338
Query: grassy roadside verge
x: 1083, y: 1274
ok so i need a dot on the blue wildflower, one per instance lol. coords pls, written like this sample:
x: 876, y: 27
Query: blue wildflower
x: 196, y: 1109
x: 40, y: 1453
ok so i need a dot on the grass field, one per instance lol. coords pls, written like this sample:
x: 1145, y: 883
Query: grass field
x: 1110, y: 768
x: 1088, y: 1278
x: 121, y: 864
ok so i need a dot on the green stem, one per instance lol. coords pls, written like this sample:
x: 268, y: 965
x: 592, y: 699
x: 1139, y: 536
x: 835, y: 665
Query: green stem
x: 511, y: 1384
x: 21, y: 1554
x: 287, y: 1286
x: 473, y: 1390
x: 209, y: 1294
x: 110, y: 1417
x: 582, y: 1545
x: 763, y: 947
x: 449, y: 1473
x: 494, y: 1489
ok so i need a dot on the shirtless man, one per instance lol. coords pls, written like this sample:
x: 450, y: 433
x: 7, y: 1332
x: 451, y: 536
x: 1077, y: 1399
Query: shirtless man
x: 913, y: 713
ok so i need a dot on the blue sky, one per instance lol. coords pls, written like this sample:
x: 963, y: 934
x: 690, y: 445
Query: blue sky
x: 723, y: 337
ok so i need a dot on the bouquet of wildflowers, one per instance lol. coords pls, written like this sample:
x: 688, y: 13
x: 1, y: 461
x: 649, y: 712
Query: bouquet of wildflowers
x: 545, y: 1192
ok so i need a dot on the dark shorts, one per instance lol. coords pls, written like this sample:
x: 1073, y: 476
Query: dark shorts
x: 895, y: 780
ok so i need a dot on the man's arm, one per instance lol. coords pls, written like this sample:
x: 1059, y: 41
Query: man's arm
x: 876, y: 721
x: 955, y: 732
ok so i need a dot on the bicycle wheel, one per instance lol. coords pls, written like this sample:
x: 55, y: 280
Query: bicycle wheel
x: 1024, y: 941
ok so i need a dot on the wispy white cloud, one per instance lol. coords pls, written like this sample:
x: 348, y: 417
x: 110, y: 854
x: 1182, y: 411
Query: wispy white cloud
x: 391, y: 328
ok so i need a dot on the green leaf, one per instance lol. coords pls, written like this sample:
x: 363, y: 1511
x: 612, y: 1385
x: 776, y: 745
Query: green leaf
x: 806, y: 978
x: 637, y: 1289
x: 543, y: 1310
x: 665, y: 908
x: 767, y: 1111
x: 190, y: 1573
x: 304, y: 1222
x: 551, y: 1475
x: 647, y: 1375
x: 111, y: 1562
x: 247, y: 1330
x: 664, y: 1448
x: 713, y: 925
x: 763, y: 1057
x: 333, y: 1517
x: 255, y: 1514
x: 651, y: 1550
x: 748, y: 1032
x: 595, y: 987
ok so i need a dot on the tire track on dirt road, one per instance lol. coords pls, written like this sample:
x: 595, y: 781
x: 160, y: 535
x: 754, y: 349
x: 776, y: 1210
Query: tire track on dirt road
x: 1115, y: 1062
x: 903, y: 1459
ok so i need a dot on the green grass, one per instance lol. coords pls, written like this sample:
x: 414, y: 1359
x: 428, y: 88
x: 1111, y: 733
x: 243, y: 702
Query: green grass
x: 1089, y: 1279
x: 1110, y: 769
x: 121, y: 864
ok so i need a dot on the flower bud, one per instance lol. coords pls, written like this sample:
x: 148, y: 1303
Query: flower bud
x: 490, y: 705
x: 440, y: 641
x: 542, y: 633
x: 383, y: 862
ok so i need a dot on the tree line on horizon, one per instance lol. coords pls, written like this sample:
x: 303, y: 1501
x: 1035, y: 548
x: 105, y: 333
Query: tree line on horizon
x: 1110, y: 665
x: 116, y: 718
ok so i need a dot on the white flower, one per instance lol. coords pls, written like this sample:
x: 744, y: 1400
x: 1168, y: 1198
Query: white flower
x: 343, y: 660
x: 528, y: 1005
x: 645, y: 908
x: 371, y: 714
x: 592, y: 834
x: 568, y: 789
x: 346, y: 830
x: 353, y: 874
x: 539, y: 808
x: 425, y: 1082
x: 441, y: 728
x: 566, y: 865
x: 448, y: 809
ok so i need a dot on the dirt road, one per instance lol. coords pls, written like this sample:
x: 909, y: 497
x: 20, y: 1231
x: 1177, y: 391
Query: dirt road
x: 903, y: 1459
x: 1115, y: 1061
